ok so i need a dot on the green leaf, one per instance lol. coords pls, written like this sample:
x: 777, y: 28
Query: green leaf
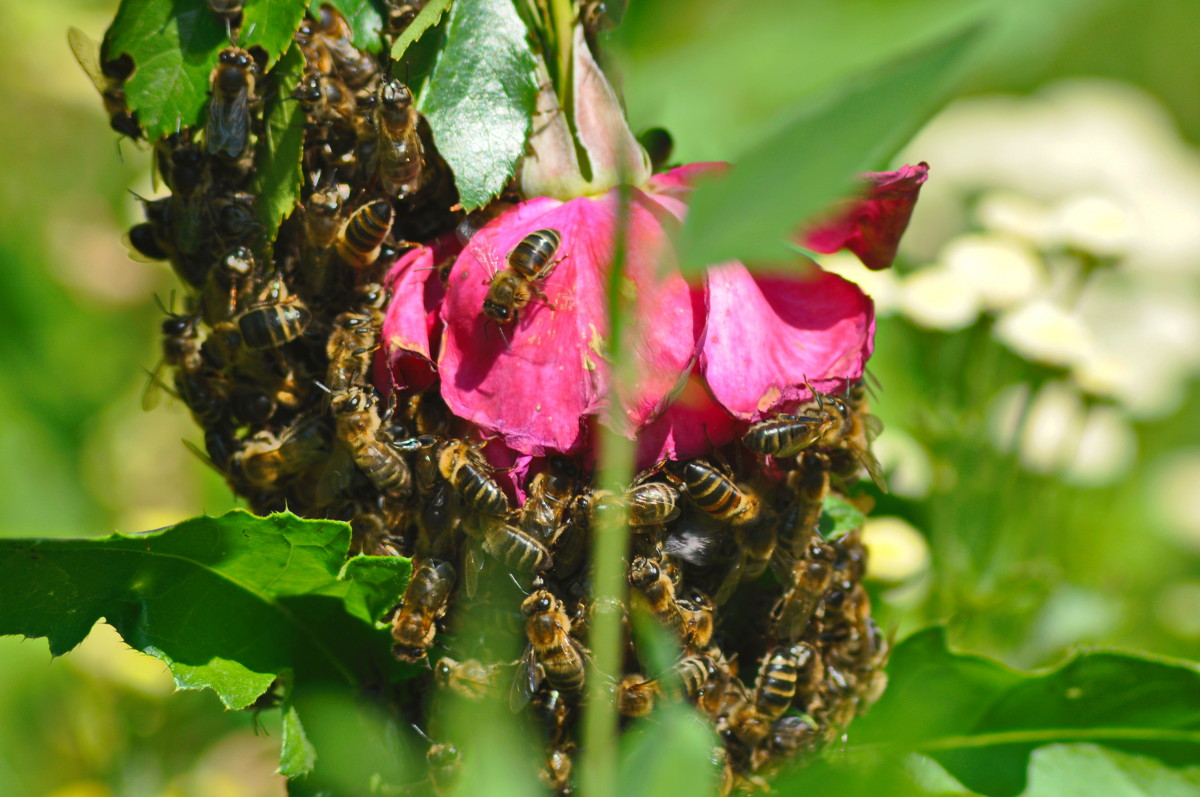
x: 840, y: 517
x: 229, y: 603
x: 278, y: 176
x: 981, y: 720
x: 372, y: 584
x: 668, y: 754
x: 750, y: 211
x: 481, y: 96
x: 365, y: 18
x: 174, y: 45
x: 297, y: 755
x: 426, y: 19
x: 270, y: 24
x: 1085, y: 770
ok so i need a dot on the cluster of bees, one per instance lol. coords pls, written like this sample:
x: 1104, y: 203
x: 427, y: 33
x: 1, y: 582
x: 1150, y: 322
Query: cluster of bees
x: 274, y: 352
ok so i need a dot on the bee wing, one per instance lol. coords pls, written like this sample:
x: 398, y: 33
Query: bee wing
x: 87, y: 52
x: 526, y: 680
x: 874, y: 469
x: 154, y: 387
x: 228, y: 124
x: 205, y: 458
x: 873, y: 424
x: 336, y: 478
x: 693, y: 546
x: 473, y: 564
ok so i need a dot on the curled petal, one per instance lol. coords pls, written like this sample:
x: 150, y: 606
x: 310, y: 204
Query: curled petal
x: 411, y: 327
x: 871, y: 226
x: 768, y: 335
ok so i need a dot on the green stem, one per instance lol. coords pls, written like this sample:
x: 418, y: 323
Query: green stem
x: 609, y: 547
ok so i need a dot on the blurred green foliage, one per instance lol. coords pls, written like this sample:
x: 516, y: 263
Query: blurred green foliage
x: 1024, y: 566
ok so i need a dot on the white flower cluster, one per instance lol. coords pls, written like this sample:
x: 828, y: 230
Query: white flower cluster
x: 1067, y: 222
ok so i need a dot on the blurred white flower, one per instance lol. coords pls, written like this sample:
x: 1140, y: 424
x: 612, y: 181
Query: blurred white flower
x: 1044, y: 332
x: 1095, y: 223
x: 909, y: 471
x: 1019, y: 216
x: 882, y: 286
x: 1105, y: 451
x: 1051, y: 430
x: 1002, y: 270
x: 896, y: 552
x: 937, y: 297
x: 1005, y: 415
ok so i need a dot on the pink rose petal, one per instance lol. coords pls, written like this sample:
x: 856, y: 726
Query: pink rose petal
x: 871, y: 226
x: 411, y: 327
x: 691, y: 426
x: 767, y: 335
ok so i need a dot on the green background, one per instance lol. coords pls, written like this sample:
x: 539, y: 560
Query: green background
x: 1024, y: 566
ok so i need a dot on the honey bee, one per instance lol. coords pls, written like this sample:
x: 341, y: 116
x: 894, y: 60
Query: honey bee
x: 227, y: 129
x: 686, y: 680
x: 786, y: 435
x: 515, y: 548
x: 851, y: 430
x: 781, y: 672
x: 415, y: 622
x: 698, y: 621
x: 470, y: 679
x: 465, y: 468
x: 556, y: 776
x: 445, y: 767
x: 147, y: 242
x: 399, y: 147
x: 358, y: 426
x: 652, y: 504
x: 810, y: 578
x: 266, y: 460
x: 109, y: 79
x: 529, y: 263
x: 326, y: 100
x: 808, y: 487
x: 552, y: 655
x: 229, y: 278
x: 439, y: 522
x: 269, y: 326
x: 361, y: 238
x: 758, y: 541
x: 328, y: 45
x: 547, y: 499
x: 351, y: 349
x: 714, y: 492
x: 180, y: 349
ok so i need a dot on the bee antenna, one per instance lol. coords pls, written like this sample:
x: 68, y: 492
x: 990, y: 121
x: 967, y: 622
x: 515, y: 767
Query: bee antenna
x: 421, y: 733
x: 520, y: 589
x: 321, y: 385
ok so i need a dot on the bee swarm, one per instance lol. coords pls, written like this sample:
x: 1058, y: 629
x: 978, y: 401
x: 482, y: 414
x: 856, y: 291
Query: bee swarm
x: 275, y: 354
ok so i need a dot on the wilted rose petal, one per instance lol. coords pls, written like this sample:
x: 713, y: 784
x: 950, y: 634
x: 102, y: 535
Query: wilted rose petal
x: 871, y: 226
x: 411, y: 327
x: 767, y: 335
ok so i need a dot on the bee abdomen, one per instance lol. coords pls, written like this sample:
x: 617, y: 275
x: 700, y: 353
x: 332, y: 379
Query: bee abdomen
x: 534, y: 251
x: 364, y: 233
x: 517, y: 549
x: 273, y: 325
x: 385, y: 467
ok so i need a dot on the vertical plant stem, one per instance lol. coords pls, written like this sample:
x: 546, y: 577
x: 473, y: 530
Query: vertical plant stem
x: 609, y: 545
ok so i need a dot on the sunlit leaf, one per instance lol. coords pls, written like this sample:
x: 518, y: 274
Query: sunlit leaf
x: 278, y: 176
x: 229, y: 603
x: 749, y: 212
x: 426, y: 19
x: 174, y: 45
x: 270, y: 24
x: 480, y: 97
x: 297, y: 754
x: 1085, y: 770
x: 840, y: 517
x: 668, y: 755
x: 981, y: 720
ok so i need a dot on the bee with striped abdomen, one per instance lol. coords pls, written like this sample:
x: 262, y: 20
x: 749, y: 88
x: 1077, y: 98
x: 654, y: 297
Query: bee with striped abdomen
x: 361, y: 238
x: 399, y: 152
x: 227, y: 128
x: 530, y: 262
x: 415, y: 622
x: 714, y: 492
x: 552, y: 655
